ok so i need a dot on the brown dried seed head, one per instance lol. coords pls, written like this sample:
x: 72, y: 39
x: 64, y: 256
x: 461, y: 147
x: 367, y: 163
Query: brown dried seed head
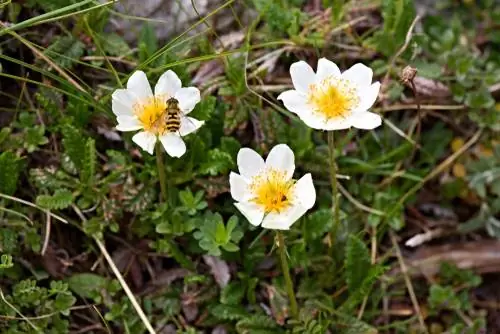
x: 408, y: 74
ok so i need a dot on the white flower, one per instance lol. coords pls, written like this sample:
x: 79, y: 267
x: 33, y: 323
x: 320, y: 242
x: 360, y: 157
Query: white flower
x: 137, y: 108
x: 265, y: 191
x: 330, y: 100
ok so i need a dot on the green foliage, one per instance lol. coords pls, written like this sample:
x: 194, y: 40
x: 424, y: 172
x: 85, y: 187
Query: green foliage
x: 6, y: 261
x: 357, y: 263
x: 258, y: 324
x: 61, y: 199
x: 65, y: 50
x: 213, y: 234
x: 10, y: 169
x: 443, y: 297
x: 398, y: 16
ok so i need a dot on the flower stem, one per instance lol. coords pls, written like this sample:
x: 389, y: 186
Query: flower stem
x: 335, y: 192
x: 161, y: 171
x: 286, y: 274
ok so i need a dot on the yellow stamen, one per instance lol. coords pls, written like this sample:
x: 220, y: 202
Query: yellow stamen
x: 151, y: 113
x: 333, y: 97
x: 272, y: 191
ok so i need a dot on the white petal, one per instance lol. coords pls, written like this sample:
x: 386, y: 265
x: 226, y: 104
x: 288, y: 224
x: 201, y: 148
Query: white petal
x: 294, y: 101
x: 359, y: 74
x: 168, y: 84
x: 326, y: 68
x: 305, y: 192
x: 128, y: 123
x: 239, y: 188
x: 365, y: 120
x: 122, y: 102
x: 281, y: 157
x: 188, y: 125
x: 313, y: 120
x: 338, y: 124
x: 173, y: 144
x: 138, y: 85
x: 145, y: 140
x: 250, y: 163
x: 302, y: 76
x: 285, y: 219
x: 252, y: 212
x: 368, y: 96
x: 188, y: 97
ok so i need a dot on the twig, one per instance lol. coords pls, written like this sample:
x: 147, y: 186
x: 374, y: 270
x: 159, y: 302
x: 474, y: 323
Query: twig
x: 120, y: 278
x: 19, y: 312
x: 47, y: 233
x: 357, y: 203
x: 61, y: 219
x: 409, y: 286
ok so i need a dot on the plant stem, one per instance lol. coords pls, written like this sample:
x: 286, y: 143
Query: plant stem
x: 335, y: 192
x: 161, y: 171
x: 286, y: 274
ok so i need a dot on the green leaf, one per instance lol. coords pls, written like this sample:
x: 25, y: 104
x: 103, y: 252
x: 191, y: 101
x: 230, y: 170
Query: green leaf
x: 357, y: 263
x: 63, y: 302
x: 148, y: 43
x: 229, y: 312
x: 87, y: 174
x: 61, y: 199
x: 65, y: 50
x: 219, y: 162
x: 257, y: 324
x: 114, y: 45
x: 86, y: 284
x: 74, y: 145
x: 355, y: 326
x: 443, y: 297
x: 232, y: 294
x: 10, y: 168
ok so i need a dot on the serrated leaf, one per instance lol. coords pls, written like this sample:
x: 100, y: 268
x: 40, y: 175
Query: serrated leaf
x: 357, y: 262
x: 229, y: 312
x: 257, y: 324
x: 219, y: 162
x: 356, y: 326
x: 10, y: 168
x: 89, y: 163
x: 114, y: 45
x: 61, y: 199
x: 74, y: 145
x: 65, y: 50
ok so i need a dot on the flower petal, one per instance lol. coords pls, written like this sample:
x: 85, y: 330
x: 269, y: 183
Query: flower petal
x: 138, y: 85
x: 252, y: 212
x: 313, y: 120
x: 338, y: 124
x: 359, y: 74
x: 173, y: 144
x: 250, y: 163
x: 302, y: 76
x: 281, y: 157
x: 188, y: 125
x: 145, y: 140
x: 239, y: 188
x: 188, y: 97
x: 168, y: 84
x: 326, y: 68
x: 128, y: 123
x: 285, y: 219
x: 365, y: 120
x: 305, y: 192
x: 122, y: 102
x: 294, y: 101
x: 368, y: 96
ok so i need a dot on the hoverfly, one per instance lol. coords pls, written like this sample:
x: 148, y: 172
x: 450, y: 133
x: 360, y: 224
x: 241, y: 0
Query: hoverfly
x: 172, y: 115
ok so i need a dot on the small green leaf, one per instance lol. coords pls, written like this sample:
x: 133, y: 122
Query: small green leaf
x: 86, y: 284
x: 61, y: 199
x: 357, y: 262
x: 10, y: 168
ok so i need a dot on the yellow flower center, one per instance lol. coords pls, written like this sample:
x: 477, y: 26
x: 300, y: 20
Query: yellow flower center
x: 151, y: 113
x: 333, y: 97
x: 272, y: 191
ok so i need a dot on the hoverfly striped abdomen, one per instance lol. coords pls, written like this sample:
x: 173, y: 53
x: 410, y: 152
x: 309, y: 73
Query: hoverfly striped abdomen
x: 173, y: 115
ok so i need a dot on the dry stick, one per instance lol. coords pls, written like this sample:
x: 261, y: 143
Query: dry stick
x: 409, y: 286
x: 120, y: 278
x: 47, y: 234
x: 50, y: 62
x: 398, y: 107
x: 12, y: 198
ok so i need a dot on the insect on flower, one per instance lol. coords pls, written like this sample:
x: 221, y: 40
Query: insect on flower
x: 161, y: 116
x: 265, y: 191
x: 331, y: 100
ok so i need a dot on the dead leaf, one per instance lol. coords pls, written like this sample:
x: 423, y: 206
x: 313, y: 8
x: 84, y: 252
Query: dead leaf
x: 429, y: 87
x: 219, y: 269
x: 480, y: 256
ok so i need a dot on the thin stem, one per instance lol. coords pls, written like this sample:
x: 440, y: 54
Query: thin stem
x: 286, y: 274
x: 335, y: 192
x: 161, y: 171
